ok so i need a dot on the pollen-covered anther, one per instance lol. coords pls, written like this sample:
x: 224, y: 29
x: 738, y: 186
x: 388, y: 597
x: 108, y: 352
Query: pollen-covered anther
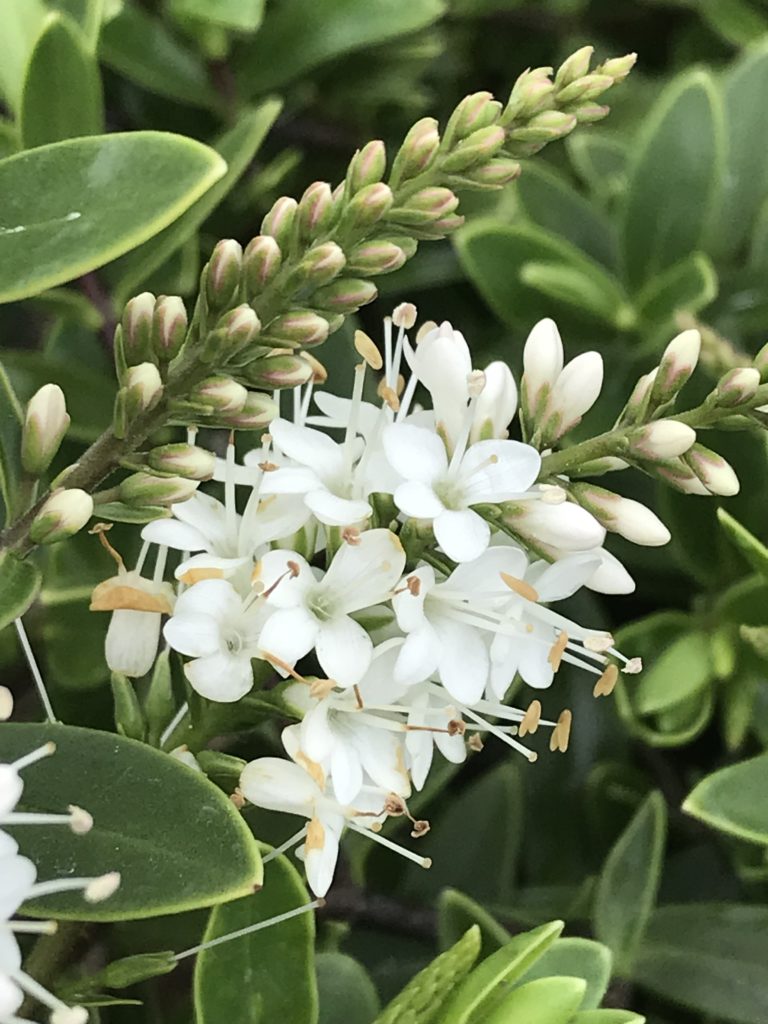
x: 561, y: 734
x: 192, y: 576
x: 475, y: 383
x: 520, y: 587
x: 319, y: 372
x: 6, y: 703
x: 315, y: 835
x: 404, y: 315
x: 268, y: 467
x: 388, y: 395
x: 420, y: 828
x: 598, y: 642
x: 350, y: 535
x: 607, y: 681
x: 395, y: 806
x: 551, y: 494
x: 80, y: 821
x: 294, y: 567
x: 368, y: 351
x: 321, y: 688
x: 100, y: 889
x: 531, y: 719
x: 557, y: 651
x: 237, y: 799
x: 475, y: 743
x: 633, y: 666
x: 414, y: 585
x: 114, y: 594
x: 426, y: 328
x: 456, y: 727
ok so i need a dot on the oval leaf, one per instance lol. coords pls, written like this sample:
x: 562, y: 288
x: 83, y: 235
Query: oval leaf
x: 733, y: 800
x: 546, y: 1001
x: 177, y: 841
x: 20, y: 583
x: 72, y: 206
x: 457, y: 912
x: 755, y: 552
x: 577, y: 958
x: 346, y: 991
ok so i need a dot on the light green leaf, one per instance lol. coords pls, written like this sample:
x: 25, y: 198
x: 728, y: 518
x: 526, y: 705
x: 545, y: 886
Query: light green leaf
x: 546, y: 1001
x: 88, y: 14
x: 736, y: 21
x: 587, y: 289
x: 483, y: 989
x: 600, y: 160
x: 299, y: 35
x: 457, y: 912
x: 675, y: 174
x: 710, y: 957
x: 176, y: 839
x: 20, y: 583
x: 755, y: 552
x: 237, y: 15
x: 681, y: 669
x: 687, y: 287
x: 11, y: 422
x: 278, y: 962
x: 424, y: 997
x: 346, y: 991
x: 576, y: 958
x: 629, y: 882
x: 140, y: 47
x: 238, y: 146
x: 733, y: 800
x: 62, y: 96
x: 21, y: 21
x: 608, y: 1017
x: 72, y: 206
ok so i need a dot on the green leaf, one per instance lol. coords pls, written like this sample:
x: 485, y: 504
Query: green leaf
x: 88, y: 14
x: 62, y: 96
x: 600, y: 160
x: 72, y: 206
x: 736, y: 21
x: 595, y: 293
x: 346, y: 991
x: 755, y: 552
x: 423, y: 998
x: 299, y: 35
x: 237, y: 147
x: 687, y: 287
x: 457, y: 912
x: 488, y: 982
x: 546, y: 1001
x: 21, y: 21
x: 577, y: 958
x: 141, y: 47
x: 177, y: 841
x: 733, y: 800
x: 278, y: 962
x: 710, y: 957
x: 680, y: 671
x: 608, y: 1017
x: 629, y: 882
x: 237, y: 15
x: 11, y: 422
x: 20, y: 583
x: 675, y: 174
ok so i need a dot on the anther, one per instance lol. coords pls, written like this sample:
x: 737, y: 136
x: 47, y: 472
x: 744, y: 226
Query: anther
x: 607, y: 681
x: 520, y: 587
x: 237, y: 799
x: 561, y: 734
x: 268, y: 467
x: 475, y: 743
x: 456, y: 727
x: 6, y: 703
x: 557, y: 651
x: 80, y: 821
x: 102, y: 888
x: 425, y: 329
x: 414, y: 585
x: 531, y: 719
x: 633, y: 666
x: 404, y: 315
x: 388, y: 396
x: 420, y: 828
x: 598, y: 642
x: 351, y: 535
x: 366, y: 348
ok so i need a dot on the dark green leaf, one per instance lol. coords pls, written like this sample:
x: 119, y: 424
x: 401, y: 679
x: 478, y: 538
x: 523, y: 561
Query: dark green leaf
x: 678, y: 672
x: 686, y: 287
x: 736, y: 21
x: 753, y: 550
x: 595, y: 293
x: 576, y: 958
x: 237, y: 15
x: 19, y: 585
x: 608, y: 1017
x: 733, y: 800
x: 600, y: 160
x: 11, y: 422
x: 346, y: 991
x: 457, y: 912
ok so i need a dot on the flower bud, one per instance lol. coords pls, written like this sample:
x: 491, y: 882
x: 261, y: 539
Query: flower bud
x: 301, y: 328
x: 496, y: 173
x: 45, y: 424
x: 185, y: 460
x: 677, y: 364
x: 136, y: 328
x: 737, y: 386
x: 479, y: 110
x: 574, y: 393
x: 367, y: 166
x: 477, y: 149
x: 620, y: 515
x: 496, y: 405
x: 417, y: 152
x: 590, y: 113
x: 565, y: 526
x: 637, y: 404
x: 679, y: 476
x: 617, y: 67
x: 425, y: 207
x: 542, y: 365
x: 219, y: 393
x: 169, y: 327
x: 610, y: 577
x: 261, y: 261
x: 222, y: 274
x: 315, y: 210
x: 368, y: 206
x: 235, y: 331
x: 64, y: 513
x: 532, y: 92
x: 544, y: 127
x: 146, y: 489
x: 374, y: 258
x: 714, y: 472
x: 321, y: 264
x: 574, y: 67
x: 276, y: 372
x: 258, y: 412
x: 661, y: 440
x: 279, y: 221
x: 346, y: 295
x: 143, y: 387
x: 585, y: 89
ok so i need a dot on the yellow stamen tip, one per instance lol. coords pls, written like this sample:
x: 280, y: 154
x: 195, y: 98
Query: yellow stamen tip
x: 366, y: 348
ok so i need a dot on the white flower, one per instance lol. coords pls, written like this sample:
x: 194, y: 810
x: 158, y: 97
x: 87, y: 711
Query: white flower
x: 220, y: 631
x: 314, y: 613
x: 549, y: 521
x: 444, y: 492
x: 431, y: 723
x: 442, y: 362
x: 496, y: 405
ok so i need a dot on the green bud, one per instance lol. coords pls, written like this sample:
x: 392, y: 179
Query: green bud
x: 478, y: 148
x: 426, y: 206
x: 617, y: 68
x: 169, y: 327
x: 760, y: 363
x: 301, y: 328
x: 585, y: 89
x: 366, y: 166
x: 143, y: 387
x: 257, y: 413
x: 261, y: 261
x: 345, y: 296
x: 368, y: 206
x: 574, y: 67
x: 45, y: 424
x: 590, y: 113
x: 129, y: 718
x: 146, y: 489
x: 132, y: 969
x: 274, y: 372
x: 544, y: 127
x: 279, y: 221
x: 321, y: 264
x: 235, y: 331
x: 136, y: 329
x: 64, y: 513
x: 374, y: 258
x: 219, y: 393
x: 417, y: 152
x: 315, y: 210
x: 737, y: 386
x: 495, y: 173
x: 532, y: 92
x: 479, y: 110
x: 186, y: 460
x: 222, y: 274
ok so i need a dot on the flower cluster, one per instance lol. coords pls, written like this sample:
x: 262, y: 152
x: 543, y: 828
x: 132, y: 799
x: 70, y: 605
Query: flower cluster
x: 19, y: 883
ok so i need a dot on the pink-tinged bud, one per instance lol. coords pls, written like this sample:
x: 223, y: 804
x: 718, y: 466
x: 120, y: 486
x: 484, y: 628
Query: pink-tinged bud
x: 315, y: 211
x: 417, y: 152
x: 479, y: 110
x: 441, y: 228
x: 496, y: 405
x: 618, y: 67
x: 222, y: 275
x: 257, y: 413
x: 591, y: 113
x: 575, y: 391
x: 136, y: 328
x: 367, y: 166
x: 714, y: 472
x: 235, y: 331
x: 45, y: 424
x: 495, y: 173
x: 574, y: 67
x: 676, y: 474
x: 542, y: 365
x: 145, y: 489
x: 565, y: 526
x: 532, y: 92
x: 261, y: 261
x: 62, y: 515
x: 425, y: 207
x: 279, y: 221
x: 585, y: 89
x: 620, y: 515
x: 169, y: 327
x: 637, y: 405
x: 186, y: 460
x: 760, y: 363
x: 322, y: 264
x: 143, y: 387
x: 219, y: 393
x: 301, y: 328
x: 677, y: 364
x: 275, y: 372
x: 478, y: 148
x: 544, y: 127
x: 662, y: 440
x: 345, y: 296
x: 368, y: 206
x: 374, y: 258
x: 737, y: 386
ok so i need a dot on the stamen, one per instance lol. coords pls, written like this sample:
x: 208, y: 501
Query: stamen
x: 34, y: 669
x: 287, y: 845
x: 46, y: 750
x: 520, y: 587
x: 319, y: 372
x: 173, y: 724
x: 354, y: 411
x: 606, y: 683
x: 598, y: 642
x: 230, y: 506
x: 94, y: 889
x: 475, y: 743
x: 296, y: 912
x: 531, y: 755
x: 6, y: 703
x: 33, y: 927
x: 162, y: 556
x: 307, y: 399
x: 531, y: 718
x: 423, y: 862
x: 100, y: 530
x: 388, y: 396
x: 358, y: 697
x: 561, y: 733
x: 351, y: 535
x: 558, y: 650
x: 633, y: 666
x: 404, y: 316
x: 367, y: 350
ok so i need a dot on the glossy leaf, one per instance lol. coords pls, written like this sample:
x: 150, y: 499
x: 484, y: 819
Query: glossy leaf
x: 457, y: 912
x: 737, y: 21
x: 278, y: 962
x: 710, y: 957
x: 299, y: 35
x: 21, y: 23
x: 72, y: 206
x: 686, y: 287
x: 576, y: 958
x: 680, y: 671
x: 11, y: 421
x: 755, y: 552
x: 177, y: 841
x: 589, y: 291
x: 608, y: 1017
x: 546, y: 1001
x: 346, y: 992
x: 237, y: 15
x: 62, y: 96
x: 733, y: 800
x: 674, y: 178
x: 600, y: 160
x: 20, y: 583
x: 88, y: 14
x: 629, y: 882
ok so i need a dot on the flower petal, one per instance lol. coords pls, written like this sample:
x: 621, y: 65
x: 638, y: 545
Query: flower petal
x: 173, y: 534
x: 418, y: 657
x: 320, y: 861
x: 346, y: 772
x: 365, y: 573
x: 344, y: 650
x: 408, y: 604
x: 221, y: 677
x: 418, y: 500
x: 290, y: 480
x: 463, y: 661
x: 415, y: 452
x: 216, y: 599
x: 204, y: 514
x: 289, y: 634
x: 293, y: 572
x: 563, y: 578
x: 308, y: 447
x: 334, y: 511
x: 498, y: 470
x: 194, y: 634
x: 279, y: 785
x: 533, y: 665
x: 462, y: 535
